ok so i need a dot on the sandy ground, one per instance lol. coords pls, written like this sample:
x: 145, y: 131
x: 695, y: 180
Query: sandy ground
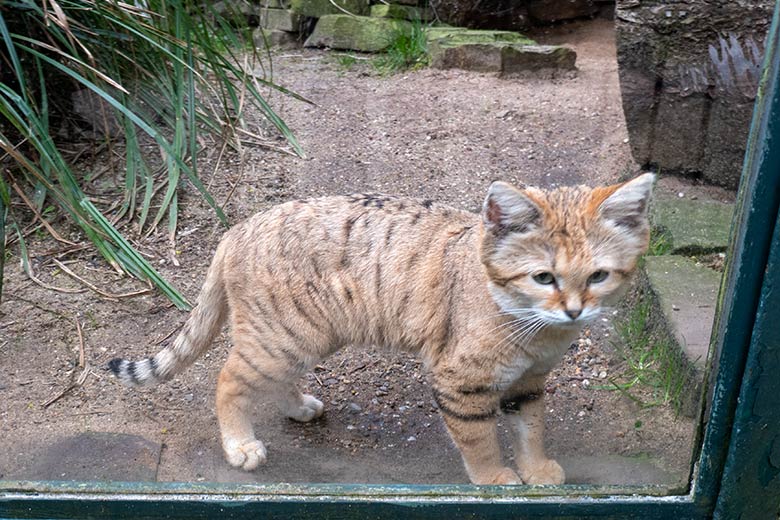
x: 436, y: 134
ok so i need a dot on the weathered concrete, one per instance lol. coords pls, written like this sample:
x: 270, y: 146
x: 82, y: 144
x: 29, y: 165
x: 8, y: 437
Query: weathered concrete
x: 694, y: 226
x: 688, y: 74
x: 359, y: 33
x: 687, y: 295
x: 280, y: 20
x: 402, y: 12
x: 320, y: 8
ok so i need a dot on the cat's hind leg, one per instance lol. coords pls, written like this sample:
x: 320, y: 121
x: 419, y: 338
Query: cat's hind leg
x: 255, y: 371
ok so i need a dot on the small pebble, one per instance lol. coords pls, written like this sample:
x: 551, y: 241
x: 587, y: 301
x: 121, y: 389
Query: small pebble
x: 355, y: 408
x: 411, y: 438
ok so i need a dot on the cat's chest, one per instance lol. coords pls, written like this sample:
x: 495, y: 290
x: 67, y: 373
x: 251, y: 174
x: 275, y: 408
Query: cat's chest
x: 536, y: 359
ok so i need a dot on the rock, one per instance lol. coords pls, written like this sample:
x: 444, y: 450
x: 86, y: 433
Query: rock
x: 508, y: 15
x: 240, y: 13
x: 354, y: 408
x: 320, y: 8
x: 548, y: 11
x: 402, y: 12
x: 694, y: 226
x: 688, y: 77
x: 359, y: 33
x: 280, y: 20
x: 284, y: 39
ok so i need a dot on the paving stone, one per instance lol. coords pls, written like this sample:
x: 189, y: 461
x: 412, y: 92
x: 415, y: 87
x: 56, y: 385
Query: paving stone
x: 695, y: 226
x: 97, y: 456
x: 359, y: 33
x: 687, y: 295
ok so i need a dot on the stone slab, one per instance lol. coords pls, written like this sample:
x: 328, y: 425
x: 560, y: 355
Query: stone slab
x: 280, y: 20
x: 695, y: 226
x: 687, y: 294
x: 402, y: 12
x: 97, y: 456
x: 320, y: 8
x: 507, y: 59
x: 462, y: 35
x: 284, y: 39
x: 519, y: 60
x: 359, y: 33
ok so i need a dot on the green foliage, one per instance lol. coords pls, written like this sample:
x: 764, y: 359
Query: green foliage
x: 660, y: 242
x: 408, y: 50
x: 165, y: 73
x: 652, y: 363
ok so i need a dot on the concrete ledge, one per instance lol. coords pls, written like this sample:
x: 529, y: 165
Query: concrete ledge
x: 694, y: 226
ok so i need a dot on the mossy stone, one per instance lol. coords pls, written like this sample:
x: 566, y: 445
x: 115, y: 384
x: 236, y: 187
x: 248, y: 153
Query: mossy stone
x: 463, y: 36
x: 359, y: 33
x: 320, y: 8
x: 402, y: 12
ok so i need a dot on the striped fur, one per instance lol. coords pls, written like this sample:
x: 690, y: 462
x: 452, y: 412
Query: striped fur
x: 489, y: 301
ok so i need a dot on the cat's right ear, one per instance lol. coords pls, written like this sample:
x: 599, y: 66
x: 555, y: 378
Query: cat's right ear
x: 508, y: 210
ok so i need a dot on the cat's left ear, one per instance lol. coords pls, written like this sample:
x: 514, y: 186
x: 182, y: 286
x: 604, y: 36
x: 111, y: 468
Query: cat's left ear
x: 508, y: 210
x: 627, y: 205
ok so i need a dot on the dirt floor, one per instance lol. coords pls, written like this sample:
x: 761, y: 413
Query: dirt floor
x: 436, y: 134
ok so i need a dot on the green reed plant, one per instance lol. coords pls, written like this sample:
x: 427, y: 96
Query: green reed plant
x: 166, y: 71
x: 408, y: 50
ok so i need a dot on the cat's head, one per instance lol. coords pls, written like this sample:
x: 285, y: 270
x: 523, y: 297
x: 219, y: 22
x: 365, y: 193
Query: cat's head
x: 561, y: 256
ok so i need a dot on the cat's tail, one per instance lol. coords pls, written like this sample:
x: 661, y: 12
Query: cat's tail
x: 204, y: 323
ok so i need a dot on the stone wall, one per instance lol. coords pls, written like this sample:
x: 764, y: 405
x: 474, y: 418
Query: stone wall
x: 688, y: 75
x: 517, y: 15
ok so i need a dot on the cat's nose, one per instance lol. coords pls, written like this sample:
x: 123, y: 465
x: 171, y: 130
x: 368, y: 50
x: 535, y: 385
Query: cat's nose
x: 573, y: 313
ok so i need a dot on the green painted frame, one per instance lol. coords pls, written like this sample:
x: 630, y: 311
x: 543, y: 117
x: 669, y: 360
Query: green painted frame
x: 737, y: 473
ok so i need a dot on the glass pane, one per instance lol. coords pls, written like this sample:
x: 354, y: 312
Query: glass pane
x: 656, y: 88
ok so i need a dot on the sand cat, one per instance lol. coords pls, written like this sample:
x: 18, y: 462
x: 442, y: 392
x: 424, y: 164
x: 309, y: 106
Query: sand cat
x: 489, y: 301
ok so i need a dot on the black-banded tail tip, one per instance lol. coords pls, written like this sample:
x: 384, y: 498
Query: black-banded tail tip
x: 115, y: 365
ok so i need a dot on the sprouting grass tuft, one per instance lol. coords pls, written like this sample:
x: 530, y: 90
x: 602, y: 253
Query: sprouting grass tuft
x: 654, y: 371
x: 660, y: 242
x: 408, y: 50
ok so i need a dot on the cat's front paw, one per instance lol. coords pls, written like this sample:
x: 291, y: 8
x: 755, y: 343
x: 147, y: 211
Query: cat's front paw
x: 247, y: 456
x: 505, y: 477
x: 547, y: 472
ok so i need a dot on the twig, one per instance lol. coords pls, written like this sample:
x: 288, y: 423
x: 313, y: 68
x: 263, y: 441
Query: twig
x: 110, y: 296
x: 317, y: 378
x: 241, y: 164
x: 81, y: 342
x: 86, y: 369
x: 38, y: 215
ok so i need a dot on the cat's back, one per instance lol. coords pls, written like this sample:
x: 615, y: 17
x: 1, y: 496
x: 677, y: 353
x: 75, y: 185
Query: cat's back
x: 345, y: 229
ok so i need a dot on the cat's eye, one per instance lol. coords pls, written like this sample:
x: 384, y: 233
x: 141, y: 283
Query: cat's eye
x: 544, y: 278
x: 598, y: 277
